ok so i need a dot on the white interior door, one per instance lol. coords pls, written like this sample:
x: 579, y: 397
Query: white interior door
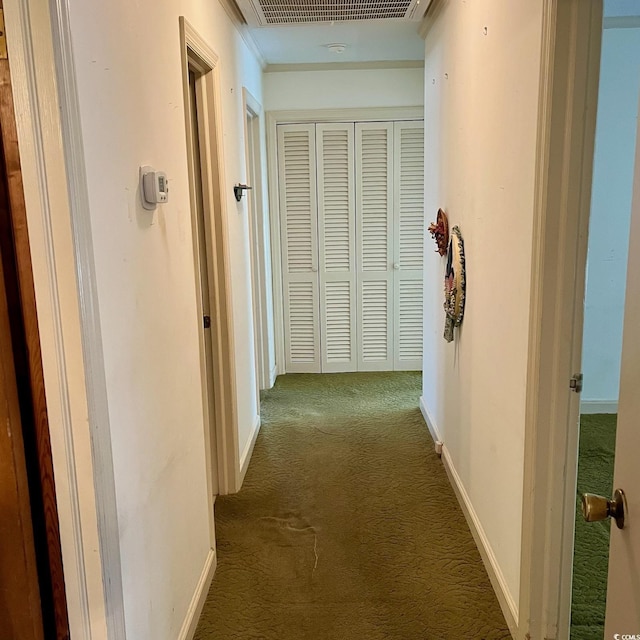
x: 352, y: 235
x: 299, y: 242
x: 337, y: 246
x: 374, y: 204
x: 408, y: 246
x: 623, y: 588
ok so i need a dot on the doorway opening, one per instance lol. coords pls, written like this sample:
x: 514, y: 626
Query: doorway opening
x: 567, y: 149
x: 203, y: 256
x: 607, y: 256
x: 213, y: 301
x: 258, y: 239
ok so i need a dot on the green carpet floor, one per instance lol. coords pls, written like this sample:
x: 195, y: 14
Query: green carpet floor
x: 346, y: 527
x: 591, y: 555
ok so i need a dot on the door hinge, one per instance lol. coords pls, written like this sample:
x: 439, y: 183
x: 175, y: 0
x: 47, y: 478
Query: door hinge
x: 575, y: 384
x: 3, y: 38
x: 206, y: 321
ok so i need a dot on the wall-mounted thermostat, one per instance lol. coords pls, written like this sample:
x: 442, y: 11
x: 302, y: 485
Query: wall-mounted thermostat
x: 154, y: 187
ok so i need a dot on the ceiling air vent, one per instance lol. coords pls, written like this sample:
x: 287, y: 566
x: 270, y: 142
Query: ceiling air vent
x: 269, y: 13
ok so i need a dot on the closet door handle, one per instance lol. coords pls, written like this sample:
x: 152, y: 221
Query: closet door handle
x: 314, y: 269
x: 396, y: 266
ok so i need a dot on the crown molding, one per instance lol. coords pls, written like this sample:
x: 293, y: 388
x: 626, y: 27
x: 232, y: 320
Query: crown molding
x: 345, y: 66
x: 433, y: 11
x: 235, y: 15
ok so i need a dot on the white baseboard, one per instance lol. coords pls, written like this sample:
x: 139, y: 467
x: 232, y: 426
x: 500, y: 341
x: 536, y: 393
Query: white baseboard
x: 200, y: 595
x: 505, y: 599
x: 498, y: 582
x: 245, y: 458
x: 272, y: 376
x: 431, y: 425
x: 598, y: 406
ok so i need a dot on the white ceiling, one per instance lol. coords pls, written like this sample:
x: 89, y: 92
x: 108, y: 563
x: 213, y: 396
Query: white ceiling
x: 372, y: 41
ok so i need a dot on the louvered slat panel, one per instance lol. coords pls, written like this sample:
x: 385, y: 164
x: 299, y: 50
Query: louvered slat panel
x: 411, y: 197
x: 299, y: 242
x: 336, y: 228
x: 299, y: 199
x: 374, y: 197
x: 335, y: 181
x: 410, y: 324
x: 374, y: 194
x: 374, y: 322
x: 302, y: 313
x: 408, y: 249
x: 338, y: 305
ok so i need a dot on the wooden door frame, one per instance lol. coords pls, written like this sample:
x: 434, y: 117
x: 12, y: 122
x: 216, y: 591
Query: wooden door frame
x: 195, y: 51
x: 572, y: 32
x: 50, y: 140
x: 28, y: 358
x: 21, y: 604
x: 307, y: 116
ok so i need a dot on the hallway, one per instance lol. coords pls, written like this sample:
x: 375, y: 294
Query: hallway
x: 346, y: 526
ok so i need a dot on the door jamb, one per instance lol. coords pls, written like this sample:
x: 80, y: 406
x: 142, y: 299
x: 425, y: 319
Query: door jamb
x: 253, y: 112
x: 572, y: 32
x: 195, y: 50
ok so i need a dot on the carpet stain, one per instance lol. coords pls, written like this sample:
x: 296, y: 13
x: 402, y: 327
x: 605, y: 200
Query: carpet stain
x: 346, y: 527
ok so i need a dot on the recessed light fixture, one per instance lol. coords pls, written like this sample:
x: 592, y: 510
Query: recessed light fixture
x: 336, y: 47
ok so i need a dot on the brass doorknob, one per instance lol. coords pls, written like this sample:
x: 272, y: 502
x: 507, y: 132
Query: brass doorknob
x: 596, y: 508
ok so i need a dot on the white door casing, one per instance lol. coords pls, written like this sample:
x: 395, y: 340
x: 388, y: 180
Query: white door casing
x: 196, y: 53
x: 202, y: 234
x: 258, y: 240
x: 572, y: 33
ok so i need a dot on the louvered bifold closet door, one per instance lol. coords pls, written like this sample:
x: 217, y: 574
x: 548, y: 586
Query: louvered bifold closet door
x: 299, y: 242
x: 336, y: 244
x: 408, y: 244
x: 374, y: 195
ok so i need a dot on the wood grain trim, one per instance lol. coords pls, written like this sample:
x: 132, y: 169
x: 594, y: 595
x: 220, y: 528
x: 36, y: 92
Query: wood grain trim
x: 20, y: 608
x: 18, y: 221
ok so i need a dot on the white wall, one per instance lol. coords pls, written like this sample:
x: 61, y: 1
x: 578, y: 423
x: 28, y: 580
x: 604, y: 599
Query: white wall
x: 130, y: 90
x: 481, y: 98
x: 351, y: 88
x: 610, y: 217
x: 614, y: 8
